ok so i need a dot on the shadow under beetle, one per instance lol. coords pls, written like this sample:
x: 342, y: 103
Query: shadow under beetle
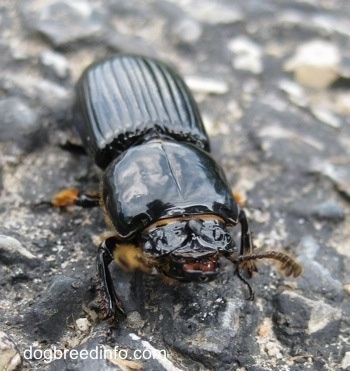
x: 168, y: 202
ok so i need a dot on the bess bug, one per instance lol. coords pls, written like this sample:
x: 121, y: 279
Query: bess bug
x: 167, y: 201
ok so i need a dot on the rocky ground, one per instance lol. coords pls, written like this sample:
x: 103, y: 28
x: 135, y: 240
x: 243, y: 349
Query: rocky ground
x: 272, y: 81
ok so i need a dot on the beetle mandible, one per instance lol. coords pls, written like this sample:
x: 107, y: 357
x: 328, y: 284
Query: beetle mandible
x: 168, y: 202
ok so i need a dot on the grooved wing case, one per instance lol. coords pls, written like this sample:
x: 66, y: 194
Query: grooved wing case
x: 125, y: 100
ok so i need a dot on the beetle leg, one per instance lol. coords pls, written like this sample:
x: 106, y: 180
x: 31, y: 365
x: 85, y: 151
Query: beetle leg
x: 246, y: 243
x: 87, y: 200
x: 110, y: 301
x: 251, y: 291
x: 73, y: 146
x: 246, y: 240
x: 71, y: 196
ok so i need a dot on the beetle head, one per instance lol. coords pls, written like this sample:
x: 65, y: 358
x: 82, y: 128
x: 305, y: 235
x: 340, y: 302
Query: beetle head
x: 188, y: 249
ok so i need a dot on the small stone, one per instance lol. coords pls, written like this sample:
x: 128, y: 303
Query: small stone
x: 297, y: 317
x: 315, y: 275
x: 206, y: 85
x: 135, y: 320
x: 83, y: 324
x: 216, y: 13
x: 52, y: 96
x: 322, y: 315
x: 346, y: 288
x: 17, y: 119
x: 18, y: 274
x: 19, y: 54
x: 11, y: 249
x: 295, y: 92
x: 55, y: 63
x: 342, y: 103
x: 308, y: 248
x: 58, y: 305
x: 247, y: 55
x: 55, y: 96
x: 273, y: 350
x: 315, y: 64
x: 130, y: 44
x: 85, y: 356
x: 10, y: 358
x: 317, y: 21
x: 339, y: 174
x: 326, y: 116
x: 187, y: 31
x: 275, y: 133
x: 63, y: 22
x: 328, y: 210
x: 345, y: 363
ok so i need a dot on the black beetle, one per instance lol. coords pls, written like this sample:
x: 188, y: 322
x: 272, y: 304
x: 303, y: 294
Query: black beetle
x: 167, y: 201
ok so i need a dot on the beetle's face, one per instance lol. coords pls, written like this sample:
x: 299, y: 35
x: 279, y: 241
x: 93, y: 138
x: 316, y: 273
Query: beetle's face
x: 188, y: 250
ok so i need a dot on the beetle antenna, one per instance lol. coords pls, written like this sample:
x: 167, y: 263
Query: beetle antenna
x: 289, y: 266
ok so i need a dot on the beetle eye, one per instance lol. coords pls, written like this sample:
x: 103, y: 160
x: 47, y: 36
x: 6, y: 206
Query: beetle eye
x: 218, y: 234
x: 215, y: 236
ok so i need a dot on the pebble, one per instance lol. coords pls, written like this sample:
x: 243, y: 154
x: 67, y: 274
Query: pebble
x: 130, y: 44
x: 83, y: 324
x: 247, y: 55
x: 295, y: 314
x: 297, y: 95
x: 318, y: 22
x: 342, y: 103
x: 10, y: 358
x: 273, y: 350
x: 328, y: 210
x: 275, y: 133
x: 187, y: 31
x: 63, y: 22
x: 315, y: 64
x: 322, y: 315
x: 346, y: 288
x: 326, y: 116
x: 17, y: 119
x: 308, y: 248
x: 216, y: 13
x: 55, y: 96
x: 55, y: 63
x: 61, y: 302
x: 339, y: 174
x: 206, y: 85
x: 11, y: 248
x: 317, y: 275
x: 345, y: 363
x: 49, y: 95
x: 295, y: 92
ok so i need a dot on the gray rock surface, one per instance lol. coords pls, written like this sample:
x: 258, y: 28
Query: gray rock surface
x: 284, y: 143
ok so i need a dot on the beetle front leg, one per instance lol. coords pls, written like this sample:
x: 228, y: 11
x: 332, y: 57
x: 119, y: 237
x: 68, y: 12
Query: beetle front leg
x: 110, y: 301
x: 246, y: 237
x: 246, y: 242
